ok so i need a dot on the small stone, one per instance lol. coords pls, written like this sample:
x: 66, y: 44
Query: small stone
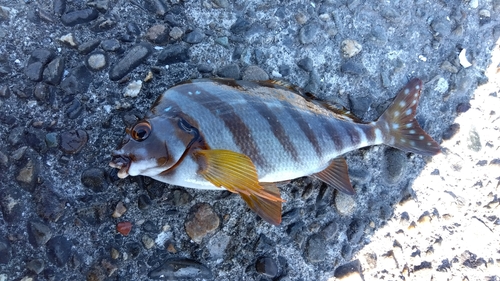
x: 451, y: 131
x: 205, y: 68
x: 100, y: 5
x: 59, y: 250
x: 132, y: 59
x: 158, y: 34
x: 54, y: 71
x: 194, y: 37
x: 301, y: 18
x: 110, y: 45
x: 474, y: 141
x: 88, y: 46
x: 221, y: 3
x: 181, y: 269
x: 223, y: 41
x: 255, y: 73
x: 462, y: 57
x: 448, y: 66
x: 463, y: 107
x: 176, y: 33
x: 229, y: 71
x: 97, y: 61
x: 351, y: 271
x: 120, y: 209
x: 316, y: 249
x: 59, y: 7
x: 147, y: 242
x: 442, y: 27
x: 38, y: 233
x: 308, y: 32
x: 173, y: 54
x: 267, y: 267
x: 351, y: 67
x: 36, y: 266
x: 124, y: 227
x: 345, y: 204
x: 5, y: 251
x: 330, y: 231
x: 306, y: 64
x: 69, y: 39
x: 77, y: 81
x: 133, y: 89
x: 79, y: 17
x: 115, y: 254
x: 203, y: 222
x: 95, y: 179
x: 395, y: 167
x: 484, y: 13
x: 351, y: 48
x: 179, y: 197
x: 36, y: 63
x: 149, y: 226
x: 240, y: 26
x: 424, y: 218
x: 73, y: 141
x: 171, y: 248
x: 49, y: 205
x: 360, y: 105
x: 284, y: 70
x: 144, y: 202
x: 75, y: 109
x: 27, y: 174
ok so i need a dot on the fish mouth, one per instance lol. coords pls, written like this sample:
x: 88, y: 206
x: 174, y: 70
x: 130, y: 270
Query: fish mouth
x: 121, y: 162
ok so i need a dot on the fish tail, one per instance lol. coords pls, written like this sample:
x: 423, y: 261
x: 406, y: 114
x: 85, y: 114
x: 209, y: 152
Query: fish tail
x: 398, y: 128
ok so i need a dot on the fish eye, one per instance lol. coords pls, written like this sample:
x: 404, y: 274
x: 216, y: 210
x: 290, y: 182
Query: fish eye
x: 141, y: 131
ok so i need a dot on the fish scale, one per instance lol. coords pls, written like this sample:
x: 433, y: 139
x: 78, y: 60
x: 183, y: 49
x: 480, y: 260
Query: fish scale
x: 243, y: 136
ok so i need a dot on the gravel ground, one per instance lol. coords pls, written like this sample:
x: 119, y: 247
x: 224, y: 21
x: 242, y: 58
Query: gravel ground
x: 74, y: 74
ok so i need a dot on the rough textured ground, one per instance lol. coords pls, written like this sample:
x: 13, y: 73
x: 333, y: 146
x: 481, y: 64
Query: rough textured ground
x: 73, y: 74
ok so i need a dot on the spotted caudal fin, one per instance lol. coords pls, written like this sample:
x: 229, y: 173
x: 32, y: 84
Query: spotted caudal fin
x: 399, y: 127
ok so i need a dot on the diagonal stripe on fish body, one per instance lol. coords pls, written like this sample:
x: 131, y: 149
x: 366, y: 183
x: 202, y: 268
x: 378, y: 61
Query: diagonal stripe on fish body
x: 244, y: 136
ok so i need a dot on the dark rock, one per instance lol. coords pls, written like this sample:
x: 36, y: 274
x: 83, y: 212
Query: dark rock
x: 133, y: 58
x: 94, y: 215
x: 59, y: 250
x: 470, y: 260
x: 5, y: 251
x: 179, y: 268
x: 194, y: 37
x: 297, y: 232
x: 474, y: 141
x: 352, y: 268
x: 355, y: 231
x: 205, y: 68
x: 229, y: 71
x: 59, y: 6
x: 442, y: 27
x: 360, y: 105
x: 267, y: 267
x: 38, y: 233
x: 53, y: 72
x: 179, y: 197
x: 422, y: 265
x: 49, y: 205
x: 313, y: 83
x: 451, y: 131
x: 395, y: 165
x: 88, y: 46
x: 110, y: 45
x: 329, y: 232
x: 79, y: 17
x: 240, y: 26
x: 158, y: 34
x: 284, y: 70
x: 255, y: 73
x: 202, y: 222
x: 16, y: 135
x: 346, y: 251
x: 221, y: 3
x: 73, y: 141
x: 156, y: 7
x: 308, y: 33
x: 149, y: 226
x: 95, y: 179
x: 101, y: 5
x: 351, y: 67
x: 463, y: 107
x: 37, y: 62
x: 316, y: 249
x: 97, y: 60
x: 4, y: 91
x: 144, y: 202
x: 36, y: 266
x: 12, y: 204
x: 306, y: 64
x: 173, y: 54
x: 291, y: 216
x: 223, y: 41
x: 133, y: 29
x: 74, y: 110
x: 77, y: 81
x: 28, y: 174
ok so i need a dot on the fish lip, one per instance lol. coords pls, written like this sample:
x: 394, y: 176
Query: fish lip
x: 121, y: 162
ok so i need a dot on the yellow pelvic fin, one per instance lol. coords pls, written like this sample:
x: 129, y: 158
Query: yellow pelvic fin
x: 233, y: 171
x: 337, y: 176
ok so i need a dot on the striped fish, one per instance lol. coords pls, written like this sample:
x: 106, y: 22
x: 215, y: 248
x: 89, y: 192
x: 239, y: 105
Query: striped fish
x: 244, y: 136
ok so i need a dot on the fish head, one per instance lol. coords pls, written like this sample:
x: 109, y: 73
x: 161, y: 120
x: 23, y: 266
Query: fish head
x: 150, y: 147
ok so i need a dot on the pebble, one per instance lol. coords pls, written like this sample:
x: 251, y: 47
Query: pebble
x: 144, y: 202
x: 179, y: 197
x: 95, y: 179
x: 49, y: 205
x: 73, y: 141
x: 194, y: 37
x: 267, y: 267
x: 36, y: 63
x: 27, y: 174
x: 158, y: 34
x: 133, y: 58
x: 351, y: 67
x: 75, y: 109
x: 36, y: 265
x: 79, y: 17
x: 240, y: 26
x: 203, y: 222
x: 350, y: 48
x: 462, y: 57
x: 473, y: 140
x: 205, y: 68
x: 255, y: 73
x: 448, y: 66
x: 88, y: 46
x: 316, y: 249
x: 306, y: 64
x: 5, y: 251
x: 97, y: 61
x: 223, y: 41
x: 442, y: 27
x: 395, y: 165
x: 350, y: 271
x: 38, y: 233
x: 181, y: 269
x: 229, y: 71
x: 463, y: 107
x: 330, y: 231
x: 176, y: 33
x: 221, y: 3
x: 110, y: 45
x: 69, y: 39
x: 77, y: 81
x: 133, y: 89
x: 120, y: 209
x: 173, y: 54
x: 345, y: 204
x: 16, y: 135
x: 149, y: 226
x: 308, y: 32
x: 53, y: 73
x: 218, y: 245
x: 12, y: 205
x: 359, y: 106
x: 284, y: 70
x: 147, y: 242
x: 124, y: 228
x: 59, y: 250
x: 101, y: 5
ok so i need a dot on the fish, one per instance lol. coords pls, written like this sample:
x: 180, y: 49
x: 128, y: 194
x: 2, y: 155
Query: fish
x: 247, y: 136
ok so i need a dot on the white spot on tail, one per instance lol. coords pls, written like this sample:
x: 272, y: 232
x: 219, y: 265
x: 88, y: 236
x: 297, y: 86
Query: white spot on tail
x: 429, y: 144
x: 378, y: 136
x: 197, y: 92
x: 409, y: 125
x: 396, y: 113
x: 407, y: 91
x: 190, y: 93
x: 412, y: 132
x: 421, y: 137
x: 413, y: 102
x: 417, y: 87
x: 395, y: 126
x: 412, y: 143
x: 168, y: 109
x: 403, y: 140
x: 402, y: 103
x: 409, y: 111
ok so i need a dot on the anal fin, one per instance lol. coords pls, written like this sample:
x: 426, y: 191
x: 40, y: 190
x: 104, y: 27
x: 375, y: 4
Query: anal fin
x: 268, y: 210
x: 337, y: 176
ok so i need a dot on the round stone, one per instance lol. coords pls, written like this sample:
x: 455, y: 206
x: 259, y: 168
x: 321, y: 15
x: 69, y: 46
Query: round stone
x: 267, y: 267
x: 97, y: 61
x: 73, y: 141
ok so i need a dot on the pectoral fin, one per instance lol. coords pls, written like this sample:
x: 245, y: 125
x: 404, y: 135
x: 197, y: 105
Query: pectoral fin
x: 337, y: 176
x: 236, y: 172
